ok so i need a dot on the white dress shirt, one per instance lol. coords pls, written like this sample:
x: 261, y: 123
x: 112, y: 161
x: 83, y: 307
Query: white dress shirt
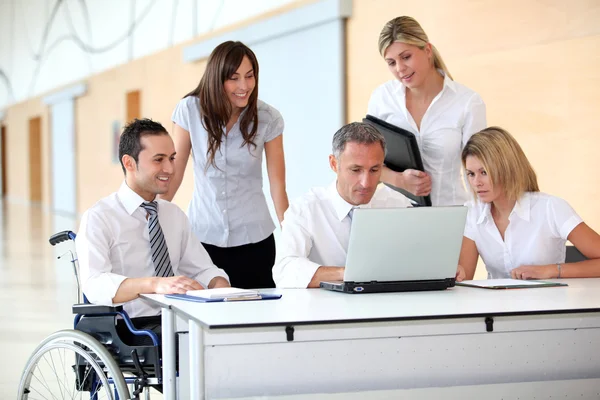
x: 228, y: 206
x: 113, y: 244
x: 316, y: 230
x: 536, y: 234
x: 453, y: 116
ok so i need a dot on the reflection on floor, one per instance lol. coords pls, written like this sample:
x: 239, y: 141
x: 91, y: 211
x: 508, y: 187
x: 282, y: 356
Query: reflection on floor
x: 36, y: 288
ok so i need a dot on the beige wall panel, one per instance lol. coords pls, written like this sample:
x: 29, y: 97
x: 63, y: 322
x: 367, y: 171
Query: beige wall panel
x: 551, y: 107
x: 162, y: 79
x: 17, y: 151
x: 104, y: 103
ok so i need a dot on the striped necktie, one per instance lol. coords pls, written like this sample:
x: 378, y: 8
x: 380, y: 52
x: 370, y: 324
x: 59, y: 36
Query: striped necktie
x: 158, y: 245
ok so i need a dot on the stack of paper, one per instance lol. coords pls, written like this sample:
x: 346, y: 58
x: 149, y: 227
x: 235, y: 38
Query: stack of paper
x: 225, y: 293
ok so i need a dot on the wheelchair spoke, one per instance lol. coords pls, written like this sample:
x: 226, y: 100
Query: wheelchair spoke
x: 98, y: 387
x: 46, y: 387
x: 63, y: 361
x: 44, y: 383
x: 82, y: 381
x: 56, y: 375
x: 60, y: 383
x: 86, y: 370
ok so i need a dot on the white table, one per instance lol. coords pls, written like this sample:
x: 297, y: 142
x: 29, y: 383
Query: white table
x: 314, y: 341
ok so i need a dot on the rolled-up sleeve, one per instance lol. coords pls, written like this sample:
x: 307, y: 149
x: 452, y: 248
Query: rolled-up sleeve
x: 195, y: 261
x: 98, y: 282
x: 562, y: 217
x: 293, y: 269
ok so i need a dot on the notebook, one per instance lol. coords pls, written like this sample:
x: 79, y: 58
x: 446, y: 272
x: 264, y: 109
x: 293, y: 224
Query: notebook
x: 229, y: 293
x: 508, y: 284
x: 196, y: 299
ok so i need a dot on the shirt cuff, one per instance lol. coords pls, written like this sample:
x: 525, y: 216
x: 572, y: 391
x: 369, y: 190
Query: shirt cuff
x: 209, y: 274
x: 103, y: 288
x: 569, y: 225
x: 296, y: 273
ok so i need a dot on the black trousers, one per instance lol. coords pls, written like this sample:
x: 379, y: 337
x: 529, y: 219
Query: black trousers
x: 249, y: 266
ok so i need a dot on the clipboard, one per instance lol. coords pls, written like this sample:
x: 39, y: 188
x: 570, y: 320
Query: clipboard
x: 509, y: 284
x: 196, y: 299
x: 402, y: 153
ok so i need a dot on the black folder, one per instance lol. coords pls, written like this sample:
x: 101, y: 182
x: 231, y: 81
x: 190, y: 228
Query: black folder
x: 402, y: 153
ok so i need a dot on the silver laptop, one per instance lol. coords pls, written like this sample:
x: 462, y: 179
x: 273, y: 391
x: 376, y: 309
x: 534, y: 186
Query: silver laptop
x: 402, y: 249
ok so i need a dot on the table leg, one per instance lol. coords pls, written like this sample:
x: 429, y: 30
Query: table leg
x: 168, y: 353
x: 197, y: 384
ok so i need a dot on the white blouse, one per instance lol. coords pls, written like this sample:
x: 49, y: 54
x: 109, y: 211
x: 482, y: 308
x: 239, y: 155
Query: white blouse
x: 228, y: 207
x: 538, y: 228
x: 453, y: 116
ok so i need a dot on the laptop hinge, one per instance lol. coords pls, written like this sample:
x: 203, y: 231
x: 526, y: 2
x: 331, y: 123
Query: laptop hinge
x: 289, y: 332
x: 489, y: 324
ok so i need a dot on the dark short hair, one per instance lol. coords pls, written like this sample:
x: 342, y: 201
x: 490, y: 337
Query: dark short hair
x: 130, y: 141
x: 357, y: 132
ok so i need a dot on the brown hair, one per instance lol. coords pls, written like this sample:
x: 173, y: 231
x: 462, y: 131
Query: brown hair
x: 503, y: 160
x: 215, y: 107
x: 407, y: 30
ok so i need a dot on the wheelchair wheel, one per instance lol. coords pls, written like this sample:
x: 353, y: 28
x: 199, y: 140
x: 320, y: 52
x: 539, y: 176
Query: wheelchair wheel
x: 71, y: 364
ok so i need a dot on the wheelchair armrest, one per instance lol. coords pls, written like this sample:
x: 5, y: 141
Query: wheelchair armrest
x: 90, y: 309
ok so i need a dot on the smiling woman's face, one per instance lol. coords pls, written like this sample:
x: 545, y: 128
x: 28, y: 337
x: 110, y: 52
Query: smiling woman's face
x: 408, y: 63
x: 240, y: 85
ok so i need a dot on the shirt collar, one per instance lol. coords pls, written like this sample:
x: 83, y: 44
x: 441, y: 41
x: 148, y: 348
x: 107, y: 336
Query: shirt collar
x: 486, y: 211
x: 522, y: 209
x: 130, y: 199
x: 341, y: 206
x: 449, y: 83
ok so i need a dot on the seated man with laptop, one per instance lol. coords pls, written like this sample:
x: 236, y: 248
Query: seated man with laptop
x: 358, y: 236
x: 316, y: 228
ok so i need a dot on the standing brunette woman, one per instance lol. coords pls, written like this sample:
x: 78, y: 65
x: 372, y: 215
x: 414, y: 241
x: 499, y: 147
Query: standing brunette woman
x: 226, y: 127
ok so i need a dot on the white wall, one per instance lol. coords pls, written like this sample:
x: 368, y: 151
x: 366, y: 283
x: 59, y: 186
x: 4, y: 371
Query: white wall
x: 46, y: 44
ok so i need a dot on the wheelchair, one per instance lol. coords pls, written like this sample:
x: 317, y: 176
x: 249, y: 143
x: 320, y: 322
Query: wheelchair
x: 92, y: 359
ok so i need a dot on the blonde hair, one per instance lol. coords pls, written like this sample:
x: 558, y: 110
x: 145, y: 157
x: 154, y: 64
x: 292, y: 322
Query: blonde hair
x: 407, y: 30
x: 503, y: 160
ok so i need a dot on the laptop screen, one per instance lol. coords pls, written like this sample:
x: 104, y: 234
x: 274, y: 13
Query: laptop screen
x: 399, y: 244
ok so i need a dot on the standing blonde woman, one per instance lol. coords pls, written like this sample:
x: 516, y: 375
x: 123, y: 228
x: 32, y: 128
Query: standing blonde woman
x: 226, y: 128
x: 424, y: 99
x: 518, y: 231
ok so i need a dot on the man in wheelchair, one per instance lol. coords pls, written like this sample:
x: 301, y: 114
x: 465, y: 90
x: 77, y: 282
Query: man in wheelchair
x: 131, y: 243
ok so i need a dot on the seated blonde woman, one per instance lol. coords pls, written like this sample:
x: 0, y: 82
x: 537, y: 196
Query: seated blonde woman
x: 518, y: 231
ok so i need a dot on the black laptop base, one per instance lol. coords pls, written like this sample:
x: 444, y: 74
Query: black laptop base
x: 387, y: 287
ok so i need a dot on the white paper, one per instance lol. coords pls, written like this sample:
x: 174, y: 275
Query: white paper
x: 504, y: 282
x: 222, y: 293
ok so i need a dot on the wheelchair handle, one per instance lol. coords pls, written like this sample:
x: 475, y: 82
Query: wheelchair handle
x: 61, y: 237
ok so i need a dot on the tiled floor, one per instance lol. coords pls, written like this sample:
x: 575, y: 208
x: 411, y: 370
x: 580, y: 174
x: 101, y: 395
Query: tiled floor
x: 37, y: 290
